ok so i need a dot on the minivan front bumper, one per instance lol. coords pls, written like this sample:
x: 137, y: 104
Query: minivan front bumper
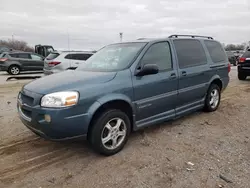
x: 62, y: 125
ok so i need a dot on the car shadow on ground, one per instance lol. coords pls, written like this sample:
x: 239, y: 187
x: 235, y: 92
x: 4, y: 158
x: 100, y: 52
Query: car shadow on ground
x: 22, y: 73
x: 83, y: 148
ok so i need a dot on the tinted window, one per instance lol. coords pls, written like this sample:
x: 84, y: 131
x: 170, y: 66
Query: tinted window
x: 36, y: 57
x: 84, y: 56
x: 159, y: 54
x: 24, y: 56
x: 52, y: 56
x: 246, y: 54
x: 190, y: 53
x: 71, y: 56
x: 78, y: 56
x: 13, y: 55
x: 216, y: 51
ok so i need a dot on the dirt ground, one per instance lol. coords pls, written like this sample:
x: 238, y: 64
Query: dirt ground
x: 216, y: 143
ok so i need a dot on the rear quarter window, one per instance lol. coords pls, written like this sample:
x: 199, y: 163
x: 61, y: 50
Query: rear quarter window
x: 216, y: 51
x: 190, y: 53
x: 2, y: 55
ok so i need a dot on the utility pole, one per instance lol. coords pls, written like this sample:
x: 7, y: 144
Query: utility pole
x: 68, y: 40
x: 12, y: 37
x: 121, y: 35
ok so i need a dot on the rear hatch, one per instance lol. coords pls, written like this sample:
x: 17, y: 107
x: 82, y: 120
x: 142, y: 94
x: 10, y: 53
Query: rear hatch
x: 244, y: 60
x: 49, y: 62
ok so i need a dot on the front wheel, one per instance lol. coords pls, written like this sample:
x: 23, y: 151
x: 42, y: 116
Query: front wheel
x: 212, y: 100
x: 110, y: 132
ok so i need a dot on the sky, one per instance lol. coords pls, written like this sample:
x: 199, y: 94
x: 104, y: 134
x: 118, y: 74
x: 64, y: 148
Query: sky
x: 81, y: 24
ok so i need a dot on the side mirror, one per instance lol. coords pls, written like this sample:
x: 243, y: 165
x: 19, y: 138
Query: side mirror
x: 147, y: 70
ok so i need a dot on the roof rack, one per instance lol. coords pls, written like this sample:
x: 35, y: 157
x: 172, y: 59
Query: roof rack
x: 192, y: 36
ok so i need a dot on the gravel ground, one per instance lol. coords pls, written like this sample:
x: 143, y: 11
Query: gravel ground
x: 199, y: 150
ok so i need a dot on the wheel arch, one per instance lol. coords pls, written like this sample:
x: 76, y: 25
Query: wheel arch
x: 216, y: 80
x: 114, y: 101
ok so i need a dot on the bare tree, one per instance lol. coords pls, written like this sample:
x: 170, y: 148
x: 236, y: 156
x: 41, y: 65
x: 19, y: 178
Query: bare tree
x: 16, y: 45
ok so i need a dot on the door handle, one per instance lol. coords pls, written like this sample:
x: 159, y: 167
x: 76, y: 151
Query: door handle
x: 172, y: 76
x: 184, y: 73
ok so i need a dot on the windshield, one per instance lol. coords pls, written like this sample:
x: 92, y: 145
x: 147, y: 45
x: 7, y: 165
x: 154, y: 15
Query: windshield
x: 113, y: 57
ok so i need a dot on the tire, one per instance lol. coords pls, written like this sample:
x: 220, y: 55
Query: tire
x: 241, y: 76
x: 14, y: 70
x: 209, y: 105
x: 99, y: 132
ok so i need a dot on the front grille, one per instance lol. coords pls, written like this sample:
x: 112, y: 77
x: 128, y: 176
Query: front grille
x: 26, y: 99
x: 27, y: 113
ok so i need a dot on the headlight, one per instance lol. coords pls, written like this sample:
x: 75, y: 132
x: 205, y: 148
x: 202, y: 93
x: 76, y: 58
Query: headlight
x: 60, y: 99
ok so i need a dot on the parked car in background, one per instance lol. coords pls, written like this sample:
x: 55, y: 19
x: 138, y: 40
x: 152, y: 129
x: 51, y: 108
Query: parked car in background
x: 231, y: 57
x: 124, y: 87
x: 44, y: 50
x: 4, y: 49
x: 244, y: 65
x: 60, y: 61
x: 16, y: 62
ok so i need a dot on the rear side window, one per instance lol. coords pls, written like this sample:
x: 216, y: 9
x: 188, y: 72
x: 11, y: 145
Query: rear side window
x: 216, y: 51
x: 159, y: 54
x: 78, y: 56
x: 70, y: 56
x: 52, y: 56
x: 84, y: 56
x: 24, y: 56
x: 13, y: 55
x: 190, y: 53
x: 246, y: 54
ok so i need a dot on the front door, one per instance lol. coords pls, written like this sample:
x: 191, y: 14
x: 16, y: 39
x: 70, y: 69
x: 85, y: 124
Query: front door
x: 25, y: 61
x: 155, y: 96
x: 194, y: 74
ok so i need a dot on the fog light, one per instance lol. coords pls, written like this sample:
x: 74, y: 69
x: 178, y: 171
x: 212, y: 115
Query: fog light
x: 47, y: 118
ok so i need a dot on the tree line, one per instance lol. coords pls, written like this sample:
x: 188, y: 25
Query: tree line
x: 233, y: 47
x: 16, y: 45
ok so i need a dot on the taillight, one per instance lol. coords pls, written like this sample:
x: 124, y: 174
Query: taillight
x: 229, y: 67
x: 53, y: 63
x: 242, y: 60
x: 3, y: 59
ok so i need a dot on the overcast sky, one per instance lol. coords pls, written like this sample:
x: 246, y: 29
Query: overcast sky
x: 92, y: 24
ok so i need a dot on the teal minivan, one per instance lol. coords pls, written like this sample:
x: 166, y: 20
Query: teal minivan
x: 125, y: 87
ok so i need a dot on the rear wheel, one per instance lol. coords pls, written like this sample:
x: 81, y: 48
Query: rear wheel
x: 212, y: 101
x: 241, y: 76
x: 14, y: 70
x: 110, y: 132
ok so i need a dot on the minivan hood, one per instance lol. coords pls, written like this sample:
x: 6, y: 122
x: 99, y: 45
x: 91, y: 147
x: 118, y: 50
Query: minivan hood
x: 68, y: 80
